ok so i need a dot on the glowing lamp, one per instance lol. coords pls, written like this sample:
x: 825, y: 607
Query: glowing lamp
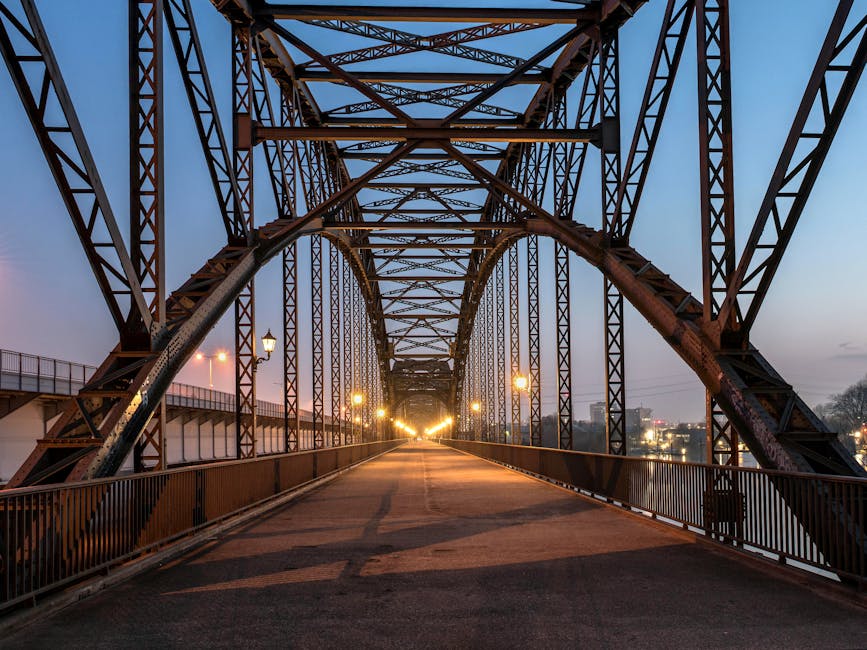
x: 269, y: 343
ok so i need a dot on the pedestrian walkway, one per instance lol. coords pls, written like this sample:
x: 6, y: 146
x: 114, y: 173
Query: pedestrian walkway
x: 429, y: 547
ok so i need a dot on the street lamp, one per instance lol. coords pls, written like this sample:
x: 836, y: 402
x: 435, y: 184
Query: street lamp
x: 357, y: 399
x: 476, y: 406
x: 380, y: 413
x: 220, y: 356
x: 521, y: 384
x: 269, y: 344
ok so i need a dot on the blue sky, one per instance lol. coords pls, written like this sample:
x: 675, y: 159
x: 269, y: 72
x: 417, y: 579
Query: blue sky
x: 812, y: 327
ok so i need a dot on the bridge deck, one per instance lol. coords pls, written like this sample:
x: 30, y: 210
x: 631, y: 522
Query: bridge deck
x: 429, y: 547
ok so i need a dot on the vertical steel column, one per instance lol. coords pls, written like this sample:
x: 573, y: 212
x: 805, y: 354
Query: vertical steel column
x: 615, y: 380
x: 245, y: 320
x: 292, y: 416
x: 146, y: 180
x: 564, y: 346
x: 717, y: 194
x: 370, y: 399
x: 289, y: 158
x: 362, y: 374
x: 534, y: 344
x: 147, y: 233
x: 336, y: 357
x: 348, y: 360
x: 560, y: 162
x: 478, y: 395
x: 502, y: 378
x: 355, y: 412
x: 490, y: 377
x: 318, y: 354
x: 515, y: 343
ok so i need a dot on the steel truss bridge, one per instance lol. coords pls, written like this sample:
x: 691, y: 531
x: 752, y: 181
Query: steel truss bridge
x: 417, y: 192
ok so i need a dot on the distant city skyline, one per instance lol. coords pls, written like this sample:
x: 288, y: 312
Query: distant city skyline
x: 812, y: 327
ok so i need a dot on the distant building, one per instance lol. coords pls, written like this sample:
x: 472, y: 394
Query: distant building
x: 638, y: 419
x: 597, y: 414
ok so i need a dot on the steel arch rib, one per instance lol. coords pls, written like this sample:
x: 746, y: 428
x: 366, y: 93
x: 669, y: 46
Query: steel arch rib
x: 779, y: 428
x: 783, y: 434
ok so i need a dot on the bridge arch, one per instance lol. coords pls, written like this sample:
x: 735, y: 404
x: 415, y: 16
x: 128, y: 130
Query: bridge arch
x: 779, y: 428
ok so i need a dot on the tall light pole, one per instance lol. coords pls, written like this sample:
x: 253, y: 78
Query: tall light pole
x: 219, y: 356
x: 380, y: 413
x: 476, y: 408
x: 356, y: 401
x: 269, y: 344
x: 522, y: 385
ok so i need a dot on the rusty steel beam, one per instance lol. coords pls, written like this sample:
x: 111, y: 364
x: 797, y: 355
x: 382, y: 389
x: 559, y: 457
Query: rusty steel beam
x: 147, y: 198
x: 426, y: 14
x: 49, y: 107
x: 716, y: 164
x: 291, y: 410
x: 184, y: 35
x: 245, y: 304
x: 829, y: 90
x: 454, y: 134
x: 421, y: 77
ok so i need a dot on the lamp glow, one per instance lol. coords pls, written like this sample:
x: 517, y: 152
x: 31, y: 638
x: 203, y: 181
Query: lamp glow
x: 269, y: 343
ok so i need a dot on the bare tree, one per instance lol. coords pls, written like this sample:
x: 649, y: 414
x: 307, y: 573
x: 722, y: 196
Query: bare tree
x: 846, y: 411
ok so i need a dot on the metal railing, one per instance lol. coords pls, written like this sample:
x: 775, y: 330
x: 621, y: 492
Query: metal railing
x: 31, y: 373
x: 34, y: 374
x: 813, y: 520
x: 51, y: 536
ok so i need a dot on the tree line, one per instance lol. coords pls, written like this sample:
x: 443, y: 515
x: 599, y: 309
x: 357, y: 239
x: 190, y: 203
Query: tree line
x: 845, y: 412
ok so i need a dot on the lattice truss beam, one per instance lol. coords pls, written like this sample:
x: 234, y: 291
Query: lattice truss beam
x: 415, y: 160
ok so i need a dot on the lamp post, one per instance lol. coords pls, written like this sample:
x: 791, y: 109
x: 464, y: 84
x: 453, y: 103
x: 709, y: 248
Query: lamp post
x: 356, y: 400
x: 380, y: 413
x: 476, y: 408
x: 220, y: 356
x: 522, y: 385
x: 269, y: 344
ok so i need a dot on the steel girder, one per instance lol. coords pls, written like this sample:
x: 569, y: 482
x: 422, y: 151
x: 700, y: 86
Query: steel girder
x: 829, y: 90
x: 71, y: 163
x: 203, y: 104
x: 747, y: 387
x: 717, y: 194
x: 615, y: 365
x: 245, y: 304
x: 317, y: 351
x: 514, y: 344
x: 291, y: 411
x: 147, y: 204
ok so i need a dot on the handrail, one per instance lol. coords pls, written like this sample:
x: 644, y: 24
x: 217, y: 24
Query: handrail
x: 813, y: 520
x: 24, y: 372
x: 53, y: 535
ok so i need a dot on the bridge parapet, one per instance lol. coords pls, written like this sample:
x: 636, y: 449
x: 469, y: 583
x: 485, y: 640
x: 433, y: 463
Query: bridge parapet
x: 807, y: 520
x: 57, y: 534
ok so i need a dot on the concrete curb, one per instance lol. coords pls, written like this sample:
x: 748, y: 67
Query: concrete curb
x: 56, y: 602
